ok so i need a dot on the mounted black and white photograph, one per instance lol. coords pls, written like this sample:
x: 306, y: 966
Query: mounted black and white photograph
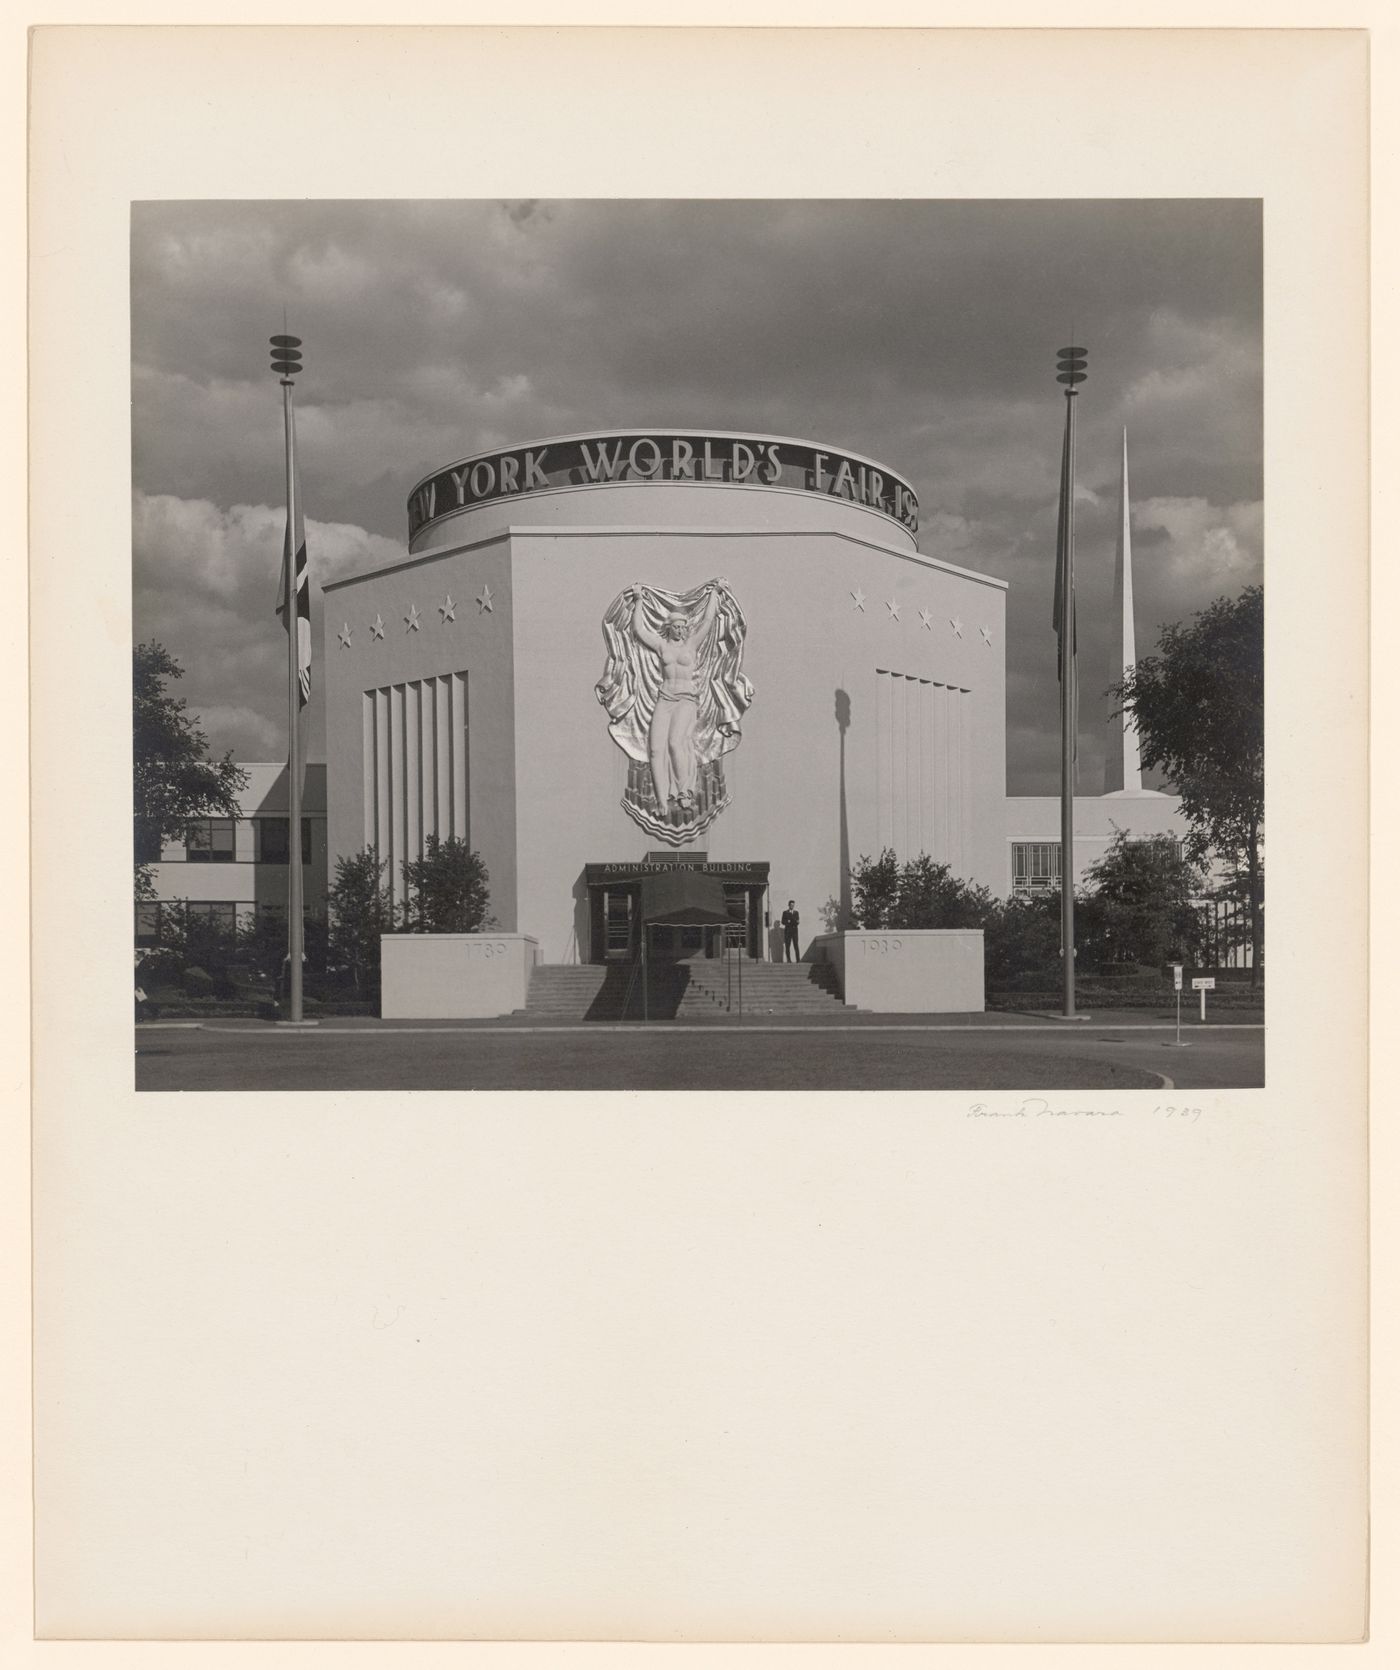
x: 686, y: 644
x: 688, y: 855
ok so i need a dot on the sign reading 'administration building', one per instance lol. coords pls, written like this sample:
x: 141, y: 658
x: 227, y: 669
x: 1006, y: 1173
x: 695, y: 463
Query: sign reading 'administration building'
x: 660, y: 456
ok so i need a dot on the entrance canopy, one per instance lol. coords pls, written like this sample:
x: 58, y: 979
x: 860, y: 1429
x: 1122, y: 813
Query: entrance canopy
x: 682, y: 895
x: 682, y: 898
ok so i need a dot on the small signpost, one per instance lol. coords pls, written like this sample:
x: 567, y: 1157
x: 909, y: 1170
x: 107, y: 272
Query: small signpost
x: 1176, y: 984
x: 1202, y: 986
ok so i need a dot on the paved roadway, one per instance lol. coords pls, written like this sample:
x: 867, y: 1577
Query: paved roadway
x: 872, y: 1054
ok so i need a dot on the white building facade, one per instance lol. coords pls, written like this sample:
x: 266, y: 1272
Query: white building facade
x: 847, y: 692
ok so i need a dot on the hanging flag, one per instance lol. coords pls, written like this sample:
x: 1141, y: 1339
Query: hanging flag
x: 1061, y: 566
x: 303, y: 599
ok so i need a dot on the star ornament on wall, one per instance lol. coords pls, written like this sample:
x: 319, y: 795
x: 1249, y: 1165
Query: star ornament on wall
x: 893, y: 608
x: 344, y: 636
x: 377, y: 626
x: 927, y: 619
x: 858, y: 598
x: 957, y: 628
x: 447, y: 610
x: 411, y: 619
x: 986, y: 636
x: 484, y: 602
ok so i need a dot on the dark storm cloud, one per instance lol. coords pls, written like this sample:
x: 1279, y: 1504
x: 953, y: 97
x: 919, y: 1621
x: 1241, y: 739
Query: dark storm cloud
x: 919, y: 333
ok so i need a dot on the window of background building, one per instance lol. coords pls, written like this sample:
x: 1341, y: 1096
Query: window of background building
x: 211, y: 919
x: 209, y: 841
x: 147, y: 922
x: 271, y: 840
x: 1035, y: 866
x: 211, y: 922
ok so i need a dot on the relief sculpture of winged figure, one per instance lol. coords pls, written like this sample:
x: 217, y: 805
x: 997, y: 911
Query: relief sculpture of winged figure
x: 675, y: 693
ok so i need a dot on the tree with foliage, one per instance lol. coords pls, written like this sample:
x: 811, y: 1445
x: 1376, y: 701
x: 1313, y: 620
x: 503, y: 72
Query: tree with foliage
x: 916, y: 894
x: 1021, y: 937
x: 1198, y: 705
x: 262, y: 942
x: 931, y: 896
x: 361, y: 909
x: 210, y: 944
x: 1144, y: 895
x: 447, y: 889
x: 1230, y: 917
x: 173, y: 777
x: 875, y: 891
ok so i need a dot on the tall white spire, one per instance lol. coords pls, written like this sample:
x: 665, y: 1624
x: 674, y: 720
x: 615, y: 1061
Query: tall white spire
x: 1122, y: 766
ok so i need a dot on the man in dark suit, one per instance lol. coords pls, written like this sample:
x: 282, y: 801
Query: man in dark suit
x: 790, y: 920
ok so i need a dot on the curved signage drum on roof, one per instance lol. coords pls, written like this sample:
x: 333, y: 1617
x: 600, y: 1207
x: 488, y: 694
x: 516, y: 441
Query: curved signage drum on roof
x: 631, y: 456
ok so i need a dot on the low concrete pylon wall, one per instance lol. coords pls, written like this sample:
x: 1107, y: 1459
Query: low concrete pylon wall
x: 454, y: 976
x: 908, y: 971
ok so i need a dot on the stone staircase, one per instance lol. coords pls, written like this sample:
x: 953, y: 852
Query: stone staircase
x: 563, y: 992
x: 598, y: 992
x: 771, y: 988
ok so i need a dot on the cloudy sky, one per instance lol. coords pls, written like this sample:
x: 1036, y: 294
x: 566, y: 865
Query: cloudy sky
x: 922, y: 334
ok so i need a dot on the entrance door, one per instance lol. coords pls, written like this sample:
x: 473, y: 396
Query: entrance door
x: 675, y: 943
x: 743, y: 905
x: 736, y: 902
x: 617, y: 925
x: 691, y: 942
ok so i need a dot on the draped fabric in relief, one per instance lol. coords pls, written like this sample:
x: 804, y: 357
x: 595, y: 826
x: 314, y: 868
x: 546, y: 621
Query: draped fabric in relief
x: 631, y: 685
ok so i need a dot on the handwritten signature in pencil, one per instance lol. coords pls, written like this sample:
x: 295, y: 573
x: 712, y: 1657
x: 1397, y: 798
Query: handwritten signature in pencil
x: 1040, y: 1107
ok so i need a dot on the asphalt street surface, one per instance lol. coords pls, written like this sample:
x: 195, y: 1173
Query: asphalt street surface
x: 893, y: 1054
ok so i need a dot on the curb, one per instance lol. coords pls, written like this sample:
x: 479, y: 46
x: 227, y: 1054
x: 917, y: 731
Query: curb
x: 373, y: 1027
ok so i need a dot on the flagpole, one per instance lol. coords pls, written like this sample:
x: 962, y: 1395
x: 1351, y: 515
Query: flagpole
x: 287, y: 361
x: 1072, y: 362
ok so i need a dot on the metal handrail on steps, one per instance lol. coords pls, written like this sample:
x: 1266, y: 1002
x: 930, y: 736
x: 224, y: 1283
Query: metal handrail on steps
x: 740, y: 952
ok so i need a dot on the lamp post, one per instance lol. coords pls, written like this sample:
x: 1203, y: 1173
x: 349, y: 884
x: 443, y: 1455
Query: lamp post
x: 286, y: 364
x: 1072, y: 369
